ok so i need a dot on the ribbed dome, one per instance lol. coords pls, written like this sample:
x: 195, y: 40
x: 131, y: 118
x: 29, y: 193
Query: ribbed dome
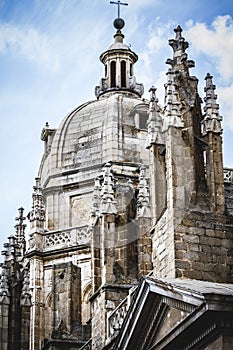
x: 95, y: 133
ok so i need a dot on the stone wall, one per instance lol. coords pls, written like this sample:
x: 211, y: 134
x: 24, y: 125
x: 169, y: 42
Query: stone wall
x: 200, y: 247
x: 103, y: 303
x: 204, y: 247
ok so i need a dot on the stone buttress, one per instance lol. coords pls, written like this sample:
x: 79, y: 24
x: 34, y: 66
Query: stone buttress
x: 192, y: 232
x: 126, y: 188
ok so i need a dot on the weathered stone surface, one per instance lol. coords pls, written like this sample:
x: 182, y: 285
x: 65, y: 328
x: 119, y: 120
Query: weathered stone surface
x: 115, y: 203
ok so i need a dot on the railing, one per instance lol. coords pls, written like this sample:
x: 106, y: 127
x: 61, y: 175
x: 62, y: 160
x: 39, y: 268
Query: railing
x: 228, y: 175
x: 67, y: 237
x: 117, y: 316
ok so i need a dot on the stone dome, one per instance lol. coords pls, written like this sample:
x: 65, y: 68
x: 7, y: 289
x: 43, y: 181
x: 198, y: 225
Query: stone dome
x: 94, y: 133
x: 110, y: 129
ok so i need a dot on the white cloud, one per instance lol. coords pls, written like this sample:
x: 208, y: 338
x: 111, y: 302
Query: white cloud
x: 153, y: 56
x: 27, y: 42
x: 142, y: 4
x: 216, y: 42
x: 226, y: 106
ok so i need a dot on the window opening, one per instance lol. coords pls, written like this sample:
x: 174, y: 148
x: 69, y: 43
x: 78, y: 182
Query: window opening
x: 131, y: 69
x: 113, y: 74
x: 123, y: 74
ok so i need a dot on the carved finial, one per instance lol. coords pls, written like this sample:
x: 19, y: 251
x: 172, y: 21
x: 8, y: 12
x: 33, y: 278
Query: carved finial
x: 172, y: 103
x: 108, y: 201
x: 212, y: 119
x: 152, y: 91
x: 179, y: 46
x: 96, y: 201
x: 118, y: 3
x: 179, y: 42
x: 38, y: 207
x: 37, y: 187
x: 20, y: 232
x: 118, y: 23
x: 25, y: 299
x: 4, y: 286
x: 143, y: 203
x: 155, y: 122
x: 178, y: 30
x: 10, y: 249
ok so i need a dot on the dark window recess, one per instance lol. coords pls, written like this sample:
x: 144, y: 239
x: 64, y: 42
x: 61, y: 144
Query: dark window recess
x: 143, y: 121
x: 106, y: 71
x: 123, y: 74
x: 131, y: 69
x: 113, y: 74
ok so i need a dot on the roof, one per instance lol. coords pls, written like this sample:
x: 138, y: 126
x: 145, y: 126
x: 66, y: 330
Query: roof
x: 170, y: 313
x: 194, y: 286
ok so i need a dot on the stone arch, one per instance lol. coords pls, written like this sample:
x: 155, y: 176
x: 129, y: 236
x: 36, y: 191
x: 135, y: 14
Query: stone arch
x: 86, y: 305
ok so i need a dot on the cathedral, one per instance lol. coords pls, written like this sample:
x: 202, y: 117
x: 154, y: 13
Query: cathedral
x: 130, y: 243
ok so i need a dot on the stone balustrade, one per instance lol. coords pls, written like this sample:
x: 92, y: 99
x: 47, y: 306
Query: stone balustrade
x: 228, y: 175
x: 66, y: 238
x: 117, y: 316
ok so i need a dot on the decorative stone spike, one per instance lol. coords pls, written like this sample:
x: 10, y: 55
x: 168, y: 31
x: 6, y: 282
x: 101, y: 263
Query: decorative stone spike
x: 10, y: 248
x: 4, y: 286
x: 38, y: 207
x: 172, y: 103
x: 155, y: 122
x: 143, y: 204
x: 108, y: 203
x: 96, y: 201
x: 47, y: 134
x: 212, y: 119
x: 25, y: 299
x: 179, y: 46
x: 20, y: 232
x: 179, y: 43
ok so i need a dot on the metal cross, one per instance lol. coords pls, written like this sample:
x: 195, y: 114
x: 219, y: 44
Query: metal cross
x: 118, y: 3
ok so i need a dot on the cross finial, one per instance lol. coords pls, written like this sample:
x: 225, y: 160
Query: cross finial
x: 118, y: 3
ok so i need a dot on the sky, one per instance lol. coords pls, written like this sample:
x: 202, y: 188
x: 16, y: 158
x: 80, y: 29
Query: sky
x: 49, y: 64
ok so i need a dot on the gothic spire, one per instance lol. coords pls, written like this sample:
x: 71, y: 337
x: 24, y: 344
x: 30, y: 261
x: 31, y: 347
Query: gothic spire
x: 4, y: 286
x: 212, y: 119
x: 179, y: 46
x: 143, y: 204
x: 96, y: 201
x: 20, y: 232
x: 172, y: 103
x: 38, y: 208
x: 10, y: 249
x: 108, y: 203
x: 25, y: 298
x: 155, y: 122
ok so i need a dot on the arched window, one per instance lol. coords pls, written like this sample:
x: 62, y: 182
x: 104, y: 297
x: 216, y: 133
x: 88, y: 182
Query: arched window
x: 113, y: 74
x: 131, y: 69
x: 86, y: 306
x: 123, y: 74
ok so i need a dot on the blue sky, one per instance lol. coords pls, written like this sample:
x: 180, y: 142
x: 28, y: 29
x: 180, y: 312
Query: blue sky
x: 49, y: 64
